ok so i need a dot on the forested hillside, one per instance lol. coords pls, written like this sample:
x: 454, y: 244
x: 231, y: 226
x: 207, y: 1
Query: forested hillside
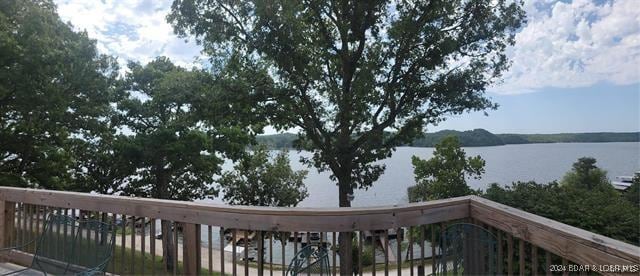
x: 481, y: 137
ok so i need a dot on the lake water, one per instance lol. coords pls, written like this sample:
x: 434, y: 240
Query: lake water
x: 504, y: 164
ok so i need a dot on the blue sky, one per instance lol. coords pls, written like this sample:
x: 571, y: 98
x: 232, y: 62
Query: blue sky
x: 575, y: 66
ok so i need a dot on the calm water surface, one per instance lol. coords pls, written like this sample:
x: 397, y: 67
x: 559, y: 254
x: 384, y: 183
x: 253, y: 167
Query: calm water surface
x: 504, y: 164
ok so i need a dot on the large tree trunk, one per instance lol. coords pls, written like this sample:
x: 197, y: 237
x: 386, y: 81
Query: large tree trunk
x: 345, y: 239
x: 167, y: 245
x: 168, y: 242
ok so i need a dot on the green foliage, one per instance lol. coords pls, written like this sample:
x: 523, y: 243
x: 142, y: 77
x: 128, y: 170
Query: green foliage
x: 174, y: 150
x: 592, y: 137
x: 444, y: 175
x: 633, y: 193
x: 277, y: 141
x: 345, y: 72
x: 480, y: 138
x: 257, y: 181
x: 598, y: 208
x: 470, y: 138
x: 586, y: 175
x: 54, y: 90
x: 101, y: 164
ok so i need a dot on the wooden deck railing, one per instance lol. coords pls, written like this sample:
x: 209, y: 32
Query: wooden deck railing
x: 527, y: 244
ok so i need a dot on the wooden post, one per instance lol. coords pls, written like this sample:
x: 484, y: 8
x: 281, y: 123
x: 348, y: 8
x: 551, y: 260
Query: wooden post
x: 260, y: 256
x: 191, y: 248
x: 8, y: 212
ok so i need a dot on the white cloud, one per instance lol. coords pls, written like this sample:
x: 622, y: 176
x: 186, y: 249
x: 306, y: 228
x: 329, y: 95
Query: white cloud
x: 575, y: 44
x: 130, y: 29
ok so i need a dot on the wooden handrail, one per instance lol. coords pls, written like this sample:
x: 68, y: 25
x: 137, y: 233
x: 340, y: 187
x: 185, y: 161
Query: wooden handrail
x: 570, y: 243
x: 575, y: 244
x: 251, y: 217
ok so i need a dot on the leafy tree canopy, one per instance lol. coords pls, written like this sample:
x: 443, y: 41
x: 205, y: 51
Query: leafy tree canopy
x: 344, y: 72
x: 633, y: 193
x: 586, y: 175
x: 54, y: 90
x: 444, y: 175
x: 175, y: 151
x: 603, y: 211
x: 257, y: 181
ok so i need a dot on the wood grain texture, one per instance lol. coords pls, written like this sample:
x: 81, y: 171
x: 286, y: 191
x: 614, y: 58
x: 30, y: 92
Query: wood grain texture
x: 7, y: 221
x: 574, y: 244
x: 251, y: 218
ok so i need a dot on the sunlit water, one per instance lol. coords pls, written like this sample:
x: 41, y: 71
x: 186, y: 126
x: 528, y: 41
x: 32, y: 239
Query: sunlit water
x: 504, y: 164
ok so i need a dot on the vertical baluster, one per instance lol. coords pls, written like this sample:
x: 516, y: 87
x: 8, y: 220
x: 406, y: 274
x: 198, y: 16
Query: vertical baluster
x: 143, y: 246
x: 33, y: 226
x: 222, y: 251
x: 360, y: 249
x: 73, y: 225
x: 335, y: 248
x: 295, y: 243
x: 510, y: 254
x: 31, y: 231
x: 83, y: 235
x: 422, y: 245
x: 433, y: 249
x: 113, y: 250
x: 96, y: 240
x: 123, y: 242
x: 16, y: 226
x: 25, y: 223
x: 133, y: 244
x: 308, y: 260
x: 500, y: 254
x: 534, y: 260
x: 19, y: 240
x: 521, y: 256
x: 65, y: 237
x: 271, y: 254
x: 210, y: 248
x: 490, y: 265
x: 38, y: 221
x: 467, y: 246
x: 27, y: 235
x: 399, y: 251
x: 57, y: 235
x: 565, y: 264
x: 246, y: 252
x: 260, y: 256
x: 175, y: 247
x: 386, y: 252
x: 152, y: 244
x: 90, y: 246
x: 283, y: 244
x: 374, y: 242
x: 443, y: 229
x: 233, y: 252
x: 547, y: 262
x: 410, y: 250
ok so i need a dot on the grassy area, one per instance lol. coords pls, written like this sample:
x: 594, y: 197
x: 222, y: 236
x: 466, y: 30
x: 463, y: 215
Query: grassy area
x: 121, y: 264
x: 137, y: 260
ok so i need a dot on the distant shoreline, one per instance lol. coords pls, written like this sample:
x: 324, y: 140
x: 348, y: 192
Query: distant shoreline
x: 482, y: 138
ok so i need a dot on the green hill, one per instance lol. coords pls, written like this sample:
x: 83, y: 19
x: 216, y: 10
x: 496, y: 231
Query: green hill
x: 470, y: 138
x: 481, y: 138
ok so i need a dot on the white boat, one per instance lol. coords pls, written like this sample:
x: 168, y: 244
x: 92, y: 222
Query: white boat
x: 623, y: 183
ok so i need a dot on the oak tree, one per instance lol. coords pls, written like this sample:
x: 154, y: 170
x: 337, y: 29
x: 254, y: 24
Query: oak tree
x: 344, y: 72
